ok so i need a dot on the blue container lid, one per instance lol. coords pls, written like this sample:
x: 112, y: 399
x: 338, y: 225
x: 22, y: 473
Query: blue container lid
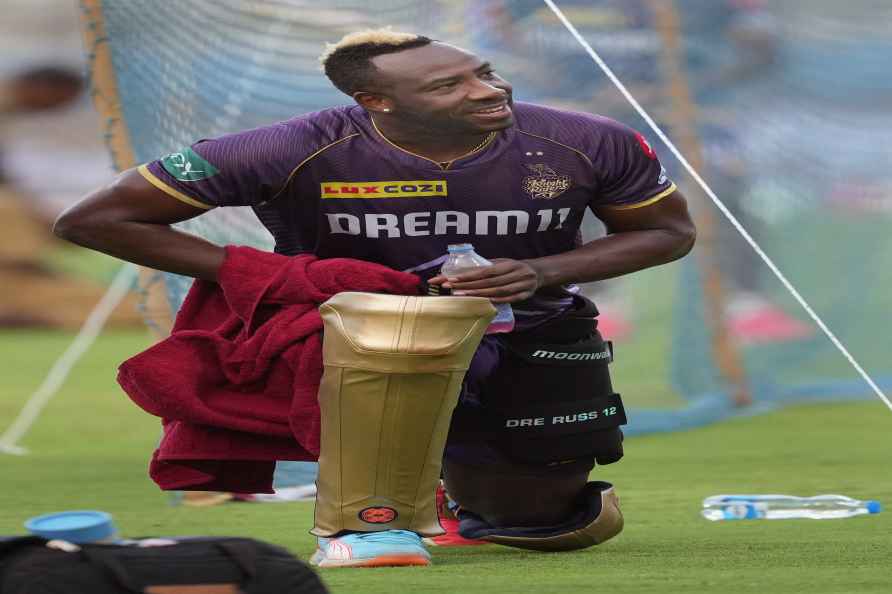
x: 80, y: 526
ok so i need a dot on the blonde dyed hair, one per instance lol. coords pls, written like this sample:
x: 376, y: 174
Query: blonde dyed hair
x: 382, y: 36
x: 348, y: 65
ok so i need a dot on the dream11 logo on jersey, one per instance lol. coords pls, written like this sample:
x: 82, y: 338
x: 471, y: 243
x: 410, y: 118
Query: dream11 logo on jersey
x: 447, y: 222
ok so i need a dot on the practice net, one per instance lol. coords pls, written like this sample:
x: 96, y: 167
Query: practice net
x: 782, y: 105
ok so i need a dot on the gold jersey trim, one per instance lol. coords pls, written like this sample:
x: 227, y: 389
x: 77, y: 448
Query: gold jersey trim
x: 444, y: 165
x: 307, y: 160
x: 642, y: 203
x: 150, y: 177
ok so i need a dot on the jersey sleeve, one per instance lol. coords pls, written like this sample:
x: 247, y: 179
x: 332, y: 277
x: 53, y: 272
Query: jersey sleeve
x: 242, y: 169
x: 630, y: 174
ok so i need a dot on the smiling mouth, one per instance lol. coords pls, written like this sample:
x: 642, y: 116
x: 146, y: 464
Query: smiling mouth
x: 500, y: 110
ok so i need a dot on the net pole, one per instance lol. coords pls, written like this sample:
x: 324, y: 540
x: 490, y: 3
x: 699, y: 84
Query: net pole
x: 683, y: 118
x: 104, y: 90
x: 104, y: 87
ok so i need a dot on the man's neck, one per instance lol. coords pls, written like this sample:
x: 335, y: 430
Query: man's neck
x: 442, y: 148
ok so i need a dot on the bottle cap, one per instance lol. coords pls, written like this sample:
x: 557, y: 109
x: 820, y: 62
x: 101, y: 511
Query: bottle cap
x: 81, y: 526
x: 874, y: 507
x: 459, y: 247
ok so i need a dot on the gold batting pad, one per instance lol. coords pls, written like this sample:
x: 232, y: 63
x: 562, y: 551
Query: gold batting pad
x: 608, y: 524
x: 394, y: 367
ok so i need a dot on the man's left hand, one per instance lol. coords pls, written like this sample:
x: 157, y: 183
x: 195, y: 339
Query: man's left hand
x: 506, y: 281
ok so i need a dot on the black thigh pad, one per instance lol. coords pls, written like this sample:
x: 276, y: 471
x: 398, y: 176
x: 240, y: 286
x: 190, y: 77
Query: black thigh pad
x: 551, y: 399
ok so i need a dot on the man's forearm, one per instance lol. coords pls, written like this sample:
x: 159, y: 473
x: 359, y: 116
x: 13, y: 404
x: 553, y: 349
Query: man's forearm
x: 612, y: 256
x: 156, y: 246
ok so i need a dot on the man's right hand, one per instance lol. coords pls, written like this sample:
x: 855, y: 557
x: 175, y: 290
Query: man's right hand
x: 130, y: 219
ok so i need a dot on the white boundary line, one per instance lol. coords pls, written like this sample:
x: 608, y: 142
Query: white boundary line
x: 58, y: 373
x: 721, y: 206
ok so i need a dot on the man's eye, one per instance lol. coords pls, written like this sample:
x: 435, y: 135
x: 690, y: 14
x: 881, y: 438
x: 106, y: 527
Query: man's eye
x: 488, y: 74
x: 447, y: 85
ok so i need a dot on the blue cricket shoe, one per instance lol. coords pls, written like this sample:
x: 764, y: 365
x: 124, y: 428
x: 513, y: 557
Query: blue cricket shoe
x: 389, y: 548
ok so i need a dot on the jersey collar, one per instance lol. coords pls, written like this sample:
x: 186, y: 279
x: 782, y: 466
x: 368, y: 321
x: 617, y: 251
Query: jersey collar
x: 483, y: 153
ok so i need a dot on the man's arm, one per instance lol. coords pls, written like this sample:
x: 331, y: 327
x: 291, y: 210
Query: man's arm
x: 130, y: 219
x: 637, y: 238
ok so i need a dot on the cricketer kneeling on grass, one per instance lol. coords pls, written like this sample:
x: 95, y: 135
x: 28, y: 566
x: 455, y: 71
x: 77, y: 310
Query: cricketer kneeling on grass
x: 434, y: 152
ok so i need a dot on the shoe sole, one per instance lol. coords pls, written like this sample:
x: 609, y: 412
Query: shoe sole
x: 382, y: 561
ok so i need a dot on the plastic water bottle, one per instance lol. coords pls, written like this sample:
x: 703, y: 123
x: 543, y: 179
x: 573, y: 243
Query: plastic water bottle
x: 462, y: 257
x: 781, y: 507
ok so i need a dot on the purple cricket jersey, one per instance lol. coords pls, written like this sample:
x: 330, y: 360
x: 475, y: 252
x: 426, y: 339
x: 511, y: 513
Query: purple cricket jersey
x: 329, y: 183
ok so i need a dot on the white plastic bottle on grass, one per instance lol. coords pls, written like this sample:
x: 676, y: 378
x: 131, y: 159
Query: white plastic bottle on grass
x: 462, y: 257
x: 781, y: 507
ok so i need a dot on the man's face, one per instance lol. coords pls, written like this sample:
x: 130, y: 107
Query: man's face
x: 445, y: 89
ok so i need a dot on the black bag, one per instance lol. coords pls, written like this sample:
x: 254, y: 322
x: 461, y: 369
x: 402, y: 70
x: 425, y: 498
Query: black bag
x: 191, y: 566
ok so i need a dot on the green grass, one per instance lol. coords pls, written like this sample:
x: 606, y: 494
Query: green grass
x: 74, y: 261
x: 91, y: 447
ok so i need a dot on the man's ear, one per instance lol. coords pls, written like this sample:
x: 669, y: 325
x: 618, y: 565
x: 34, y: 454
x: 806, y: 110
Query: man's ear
x: 373, y: 101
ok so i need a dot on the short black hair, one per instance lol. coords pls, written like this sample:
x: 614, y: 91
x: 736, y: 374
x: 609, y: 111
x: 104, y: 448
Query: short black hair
x: 348, y: 64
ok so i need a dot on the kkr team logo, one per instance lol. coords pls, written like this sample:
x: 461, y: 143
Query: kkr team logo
x: 385, y: 189
x: 546, y: 184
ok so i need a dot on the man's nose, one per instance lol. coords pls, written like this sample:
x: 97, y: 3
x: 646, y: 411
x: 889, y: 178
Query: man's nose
x: 482, y: 91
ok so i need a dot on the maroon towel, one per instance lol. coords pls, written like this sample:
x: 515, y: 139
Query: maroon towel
x: 236, y: 381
